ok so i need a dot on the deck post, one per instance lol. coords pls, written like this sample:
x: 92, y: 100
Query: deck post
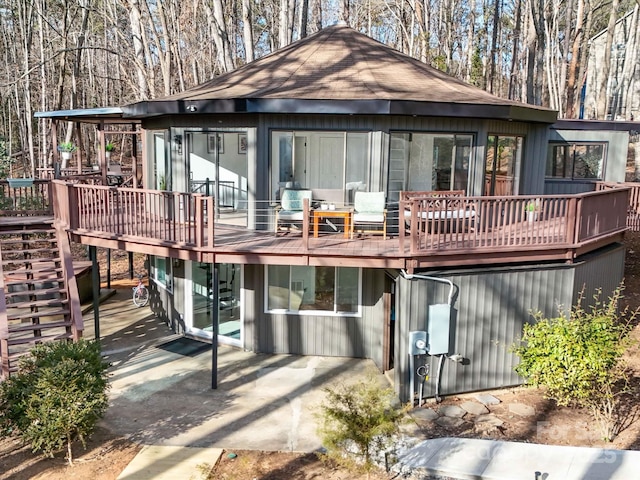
x: 305, y: 224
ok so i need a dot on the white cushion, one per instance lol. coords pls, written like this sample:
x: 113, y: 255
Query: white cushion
x: 368, y: 217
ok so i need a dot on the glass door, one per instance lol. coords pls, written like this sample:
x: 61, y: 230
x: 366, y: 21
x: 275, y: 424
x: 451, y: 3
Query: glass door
x: 502, y: 165
x: 199, y: 321
x: 218, y: 167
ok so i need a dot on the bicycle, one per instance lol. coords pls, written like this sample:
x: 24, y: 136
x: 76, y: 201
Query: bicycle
x: 140, y: 294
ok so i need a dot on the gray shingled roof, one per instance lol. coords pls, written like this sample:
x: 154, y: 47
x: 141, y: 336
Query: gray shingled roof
x: 339, y: 70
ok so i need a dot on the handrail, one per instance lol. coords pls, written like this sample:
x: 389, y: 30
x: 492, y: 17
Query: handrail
x: 427, y: 225
x: 25, y: 196
x: 165, y: 217
x: 446, y: 224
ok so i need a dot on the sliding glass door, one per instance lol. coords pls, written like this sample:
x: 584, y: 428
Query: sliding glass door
x: 199, y: 301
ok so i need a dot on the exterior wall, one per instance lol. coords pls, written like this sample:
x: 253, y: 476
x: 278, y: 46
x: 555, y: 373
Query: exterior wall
x: 335, y: 336
x: 490, y: 309
x: 604, y: 269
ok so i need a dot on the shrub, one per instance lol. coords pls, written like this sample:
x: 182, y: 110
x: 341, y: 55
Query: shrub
x: 359, y: 420
x: 578, y: 359
x: 57, y: 396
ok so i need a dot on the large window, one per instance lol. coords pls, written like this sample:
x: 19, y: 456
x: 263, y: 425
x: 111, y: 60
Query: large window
x: 313, y: 289
x: 428, y: 161
x: 576, y: 160
x: 333, y: 164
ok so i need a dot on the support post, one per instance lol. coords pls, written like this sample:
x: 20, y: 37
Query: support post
x: 108, y: 268
x: 95, y: 281
x: 214, y: 330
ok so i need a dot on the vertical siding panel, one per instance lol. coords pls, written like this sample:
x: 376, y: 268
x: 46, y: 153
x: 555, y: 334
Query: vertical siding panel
x: 492, y: 305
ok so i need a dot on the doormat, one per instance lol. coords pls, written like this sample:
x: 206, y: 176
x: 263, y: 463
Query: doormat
x: 185, y: 347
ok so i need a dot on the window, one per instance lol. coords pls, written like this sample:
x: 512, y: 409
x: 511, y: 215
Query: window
x: 576, y: 160
x: 313, y: 289
x: 504, y: 155
x: 332, y: 163
x: 428, y: 161
x: 161, y: 272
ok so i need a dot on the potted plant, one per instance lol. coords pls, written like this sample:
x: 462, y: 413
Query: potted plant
x: 532, y: 208
x: 108, y: 148
x: 66, y: 149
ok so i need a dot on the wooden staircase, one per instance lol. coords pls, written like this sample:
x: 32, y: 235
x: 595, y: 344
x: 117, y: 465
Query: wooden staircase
x: 39, y: 299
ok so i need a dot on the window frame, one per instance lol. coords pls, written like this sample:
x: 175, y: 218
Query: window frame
x: 167, y: 283
x: 570, y: 147
x: 313, y: 313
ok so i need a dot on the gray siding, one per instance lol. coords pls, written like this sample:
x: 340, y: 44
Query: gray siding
x: 601, y: 270
x: 617, y: 148
x: 359, y: 337
x: 567, y: 187
x: 491, y: 306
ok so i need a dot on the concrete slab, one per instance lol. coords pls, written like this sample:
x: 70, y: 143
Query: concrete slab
x: 168, y: 463
x: 424, y: 414
x: 474, y: 408
x: 452, y: 411
x: 465, y: 458
x: 488, y: 419
x: 450, y: 422
x: 487, y: 399
x: 449, y: 457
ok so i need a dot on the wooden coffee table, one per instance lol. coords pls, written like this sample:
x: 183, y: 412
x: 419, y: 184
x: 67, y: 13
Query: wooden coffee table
x: 344, y: 213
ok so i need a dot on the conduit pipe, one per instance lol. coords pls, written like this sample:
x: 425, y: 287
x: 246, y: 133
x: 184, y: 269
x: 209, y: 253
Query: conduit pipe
x: 458, y: 357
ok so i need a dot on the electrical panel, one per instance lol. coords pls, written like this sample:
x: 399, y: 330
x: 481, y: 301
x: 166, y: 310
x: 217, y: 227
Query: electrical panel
x: 418, y: 343
x: 439, y: 329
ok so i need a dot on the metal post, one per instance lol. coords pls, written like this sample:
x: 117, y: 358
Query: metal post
x: 95, y: 281
x: 108, y: 268
x: 130, y: 254
x: 214, y: 330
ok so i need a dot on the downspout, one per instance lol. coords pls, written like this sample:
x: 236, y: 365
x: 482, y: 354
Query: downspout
x: 456, y: 357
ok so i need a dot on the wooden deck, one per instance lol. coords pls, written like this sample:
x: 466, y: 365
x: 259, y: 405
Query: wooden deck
x: 425, y: 235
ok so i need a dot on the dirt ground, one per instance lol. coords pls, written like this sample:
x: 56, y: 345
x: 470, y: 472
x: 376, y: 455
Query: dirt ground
x: 107, y: 455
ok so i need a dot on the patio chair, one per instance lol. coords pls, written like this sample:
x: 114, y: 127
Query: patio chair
x: 291, y: 209
x: 369, y: 211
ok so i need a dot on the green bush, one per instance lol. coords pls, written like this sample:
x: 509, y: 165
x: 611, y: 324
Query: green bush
x: 578, y: 359
x: 57, y: 396
x: 359, y: 420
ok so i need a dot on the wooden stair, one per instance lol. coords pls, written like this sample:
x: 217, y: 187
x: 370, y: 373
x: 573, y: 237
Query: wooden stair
x: 39, y: 299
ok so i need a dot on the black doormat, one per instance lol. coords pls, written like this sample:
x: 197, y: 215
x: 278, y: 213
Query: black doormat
x: 185, y: 346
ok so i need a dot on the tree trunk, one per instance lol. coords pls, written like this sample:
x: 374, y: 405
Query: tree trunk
x: 574, y: 64
x: 514, y: 52
x: 247, y: 28
x: 135, y: 17
x: 494, y: 46
x: 604, y: 69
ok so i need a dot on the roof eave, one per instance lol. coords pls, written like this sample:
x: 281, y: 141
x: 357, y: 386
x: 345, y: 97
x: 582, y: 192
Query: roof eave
x: 507, y: 112
x: 87, y: 115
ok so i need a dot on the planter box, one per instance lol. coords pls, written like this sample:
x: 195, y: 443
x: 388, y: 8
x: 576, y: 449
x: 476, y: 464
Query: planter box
x: 20, y: 182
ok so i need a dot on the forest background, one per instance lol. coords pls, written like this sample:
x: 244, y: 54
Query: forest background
x: 67, y: 54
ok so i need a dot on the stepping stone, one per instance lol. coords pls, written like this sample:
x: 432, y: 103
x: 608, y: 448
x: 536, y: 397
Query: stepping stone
x: 451, y: 411
x: 474, y: 408
x: 488, y: 419
x: 487, y: 399
x: 427, y: 414
x: 522, y: 409
x: 450, y: 422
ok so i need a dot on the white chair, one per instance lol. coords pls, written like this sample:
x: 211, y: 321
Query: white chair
x: 369, y: 211
x: 291, y: 208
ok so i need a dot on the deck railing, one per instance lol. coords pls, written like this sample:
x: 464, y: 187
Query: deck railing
x: 440, y: 223
x: 425, y: 225
x: 154, y: 215
x: 633, y: 211
x: 25, y: 196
